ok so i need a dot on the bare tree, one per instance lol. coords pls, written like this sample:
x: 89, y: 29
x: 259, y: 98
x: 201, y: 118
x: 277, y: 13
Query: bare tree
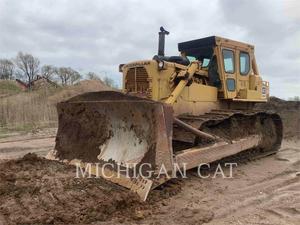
x: 28, y: 66
x: 7, y: 69
x: 67, y: 75
x: 93, y: 76
x: 48, y: 71
x: 109, y: 82
x: 75, y: 77
x: 63, y: 75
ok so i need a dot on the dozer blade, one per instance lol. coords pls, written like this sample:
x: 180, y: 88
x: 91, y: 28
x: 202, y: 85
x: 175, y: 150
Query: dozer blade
x: 116, y: 135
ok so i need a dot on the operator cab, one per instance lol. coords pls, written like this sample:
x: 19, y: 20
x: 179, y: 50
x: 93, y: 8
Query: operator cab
x: 231, y: 67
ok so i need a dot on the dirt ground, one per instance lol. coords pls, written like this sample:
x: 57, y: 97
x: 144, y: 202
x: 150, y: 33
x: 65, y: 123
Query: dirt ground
x: 34, y: 190
x: 37, y: 191
x: 17, y: 145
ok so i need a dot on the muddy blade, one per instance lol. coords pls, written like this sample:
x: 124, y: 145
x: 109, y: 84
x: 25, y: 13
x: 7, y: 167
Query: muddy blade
x: 109, y: 127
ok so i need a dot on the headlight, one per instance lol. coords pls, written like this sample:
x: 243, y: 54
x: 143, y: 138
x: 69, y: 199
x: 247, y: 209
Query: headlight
x: 161, y: 65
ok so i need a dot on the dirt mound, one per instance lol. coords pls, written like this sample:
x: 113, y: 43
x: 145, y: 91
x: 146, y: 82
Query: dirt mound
x: 82, y: 87
x: 289, y: 112
x: 38, y: 191
x: 35, y: 190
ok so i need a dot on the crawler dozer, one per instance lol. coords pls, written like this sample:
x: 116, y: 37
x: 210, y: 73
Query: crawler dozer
x: 174, y: 112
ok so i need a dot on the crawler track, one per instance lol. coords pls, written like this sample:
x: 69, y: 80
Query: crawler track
x: 232, y: 125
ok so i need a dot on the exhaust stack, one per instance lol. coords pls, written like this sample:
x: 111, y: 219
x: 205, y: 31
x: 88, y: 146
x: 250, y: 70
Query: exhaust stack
x: 161, y: 41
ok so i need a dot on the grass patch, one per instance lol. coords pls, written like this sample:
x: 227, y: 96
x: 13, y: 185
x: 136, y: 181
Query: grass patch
x: 9, y: 87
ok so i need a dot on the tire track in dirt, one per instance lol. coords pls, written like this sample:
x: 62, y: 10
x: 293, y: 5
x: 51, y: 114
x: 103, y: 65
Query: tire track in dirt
x: 274, y: 199
x: 263, y: 191
x: 264, y: 197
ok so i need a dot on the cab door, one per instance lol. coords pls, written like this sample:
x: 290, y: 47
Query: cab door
x: 243, y: 59
x: 228, y: 62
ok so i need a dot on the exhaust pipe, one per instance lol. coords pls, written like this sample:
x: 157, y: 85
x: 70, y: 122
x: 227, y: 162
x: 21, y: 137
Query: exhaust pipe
x: 161, y: 41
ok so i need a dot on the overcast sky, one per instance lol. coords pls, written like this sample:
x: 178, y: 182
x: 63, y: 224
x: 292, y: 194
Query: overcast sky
x: 99, y: 35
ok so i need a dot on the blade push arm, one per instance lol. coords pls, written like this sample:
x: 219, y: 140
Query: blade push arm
x: 188, y: 75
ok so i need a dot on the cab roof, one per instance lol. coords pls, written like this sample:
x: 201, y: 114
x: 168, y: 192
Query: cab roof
x: 203, y: 47
x: 209, y: 42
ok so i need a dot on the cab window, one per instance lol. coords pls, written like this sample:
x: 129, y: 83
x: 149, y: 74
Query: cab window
x: 205, y: 62
x: 230, y: 84
x: 191, y: 58
x: 244, y: 63
x: 228, y: 58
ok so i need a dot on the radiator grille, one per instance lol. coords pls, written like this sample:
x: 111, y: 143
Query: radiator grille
x: 137, y: 80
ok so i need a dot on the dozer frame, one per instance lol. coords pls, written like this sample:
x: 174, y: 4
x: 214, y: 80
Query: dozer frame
x: 174, y: 113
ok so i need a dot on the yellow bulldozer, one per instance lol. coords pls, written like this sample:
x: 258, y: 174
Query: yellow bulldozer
x: 174, y: 112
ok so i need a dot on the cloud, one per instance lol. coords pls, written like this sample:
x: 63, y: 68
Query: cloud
x: 99, y: 35
x: 275, y: 33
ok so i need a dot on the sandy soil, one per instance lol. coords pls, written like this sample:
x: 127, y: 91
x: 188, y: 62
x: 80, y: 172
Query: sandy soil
x: 38, y: 191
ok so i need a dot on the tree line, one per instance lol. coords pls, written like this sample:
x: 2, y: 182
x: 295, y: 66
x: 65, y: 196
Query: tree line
x: 26, y: 67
